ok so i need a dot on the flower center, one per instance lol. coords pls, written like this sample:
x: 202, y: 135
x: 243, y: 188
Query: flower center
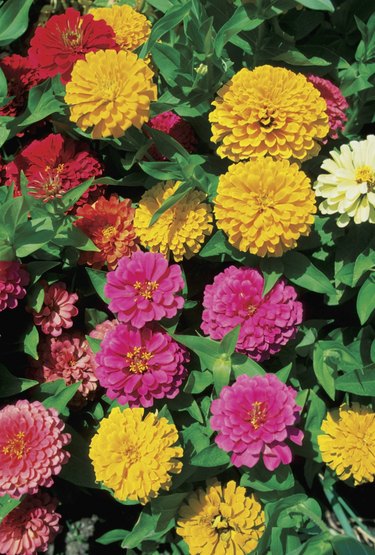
x: 108, y: 232
x: 222, y: 527
x: 266, y: 117
x: 72, y: 38
x: 365, y: 174
x: 251, y: 309
x: 138, y: 360
x: 16, y: 447
x: 257, y: 414
x: 146, y: 288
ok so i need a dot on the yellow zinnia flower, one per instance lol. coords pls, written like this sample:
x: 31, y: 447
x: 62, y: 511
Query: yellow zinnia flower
x: 180, y: 230
x: 269, y: 110
x: 134, y: 456
x: 131, y: 27
x: 110, y: 91
x: 221, y: 520
x: 264, y: 205
x: 348, y: 444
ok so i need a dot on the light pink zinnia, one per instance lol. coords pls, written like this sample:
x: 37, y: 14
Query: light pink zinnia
x: 30, y: 527
x: 101, y: 330
x: 57, y: 311
x: 255, y: 417
x: 31, y: 447
x: 177, y: 128
x: 13, y: 279
x: 70, y: 358
x: 336, y: 103
x: 267, y: 323
x: 144, y: 289
x: 138, y: 366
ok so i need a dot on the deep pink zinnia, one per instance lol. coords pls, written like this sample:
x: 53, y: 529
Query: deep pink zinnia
x: 255, y: 417
x: 13, y: 279
x: 70, y: 358
x: 144, y: 289
x: 66, y: 38
x: 336, y: 103
x: 31, y: 447
x: 138, y: 366
x: 31, y: 526
x: 267, y: 323
x: 177, y: 128
x: 57, y: 310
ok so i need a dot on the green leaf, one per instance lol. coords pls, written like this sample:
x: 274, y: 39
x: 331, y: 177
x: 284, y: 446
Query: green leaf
x: 179, y: 194
x: 94, y: 343
x: 60, y: 400
x: 112, y: 537
x: 366, y: 299
x: 212, y: 456
x: 272, y: 269
x: 323, y: 370
x: 294, y: 57
x: 13, y: 20
x: 37, y: 269
x: 261, y: 479
x: 12, y: 385
x: 32, y: 235
x: 301, y: 271
x: 207, y: 349
x: 325, y: 5
x: 73, y: 195
x: 198, y: 381
x: 7, y: 504
x: 241, y: 364
x: 357, y: 382
x: 238, y: 22
x: 30, y: 342
x: 229, y: 341
x: 41, y: 103
x: 343, y: 545
x: 98, y: 278
x: 78, y: 470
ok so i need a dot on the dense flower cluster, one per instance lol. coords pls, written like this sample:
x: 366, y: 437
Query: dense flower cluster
x: 13, y: 279
x: 57, y: 310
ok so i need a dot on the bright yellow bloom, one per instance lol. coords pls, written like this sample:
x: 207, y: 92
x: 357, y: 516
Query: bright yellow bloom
x: 134, y: 456
x: 221, y: 520
x: 110, y: 91
x: 131, y: 27
x: 348, y: 445
x: 264, y: 206
x: 180, y: 230
x: 269, y: 110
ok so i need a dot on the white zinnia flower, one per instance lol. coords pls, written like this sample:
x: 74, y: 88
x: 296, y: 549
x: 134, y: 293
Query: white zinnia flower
x: 349, y: 185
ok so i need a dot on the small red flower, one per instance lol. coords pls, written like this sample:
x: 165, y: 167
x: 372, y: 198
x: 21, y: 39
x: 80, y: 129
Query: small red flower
x: 67, y: 38
x: 21, y: 77
x: 177, y: 128
x: 336, y: 104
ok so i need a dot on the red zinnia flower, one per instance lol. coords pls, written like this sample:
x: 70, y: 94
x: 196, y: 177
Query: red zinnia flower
x: 53, y: 166
x: 109, y: 224
x: 21, y: 77
x: 67, y: 38
x: 57, y: 310
x: 13, y: 279
x: 177, y: 128
x: 336, y: 104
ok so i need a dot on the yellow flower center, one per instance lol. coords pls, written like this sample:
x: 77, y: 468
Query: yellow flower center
x: 365, y: 174
x: 72, y: 38
x: 16, y: 447
x: 222, y: 526
x: 108, y: 232
x: 146, y: 288
x: 251, y: 309
x: 138, y: 360
x: 266, y: 117
x: 258, y: 414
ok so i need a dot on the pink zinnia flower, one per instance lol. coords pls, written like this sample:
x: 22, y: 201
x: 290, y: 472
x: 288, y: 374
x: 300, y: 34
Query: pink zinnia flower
x: 144, y: 289
x: 13, y: 279
x: 31, y: 447
x: 255, y: 417
x: 267, y: 323
x: 31, y: 526
x: 57, y: 311
x: 336, y: 103
x: 177, y: 128
x: 138, y: 366
x: 70, y: 358
x: 101, y: 330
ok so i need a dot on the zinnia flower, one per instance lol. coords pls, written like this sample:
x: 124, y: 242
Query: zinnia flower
x: 109, y: 224
x: 13, y: 279
x: 349, y: 186
x: 264, y: 206
x: 30, y: 527
x: 21, y: 77
x: 221, y: 520
x: 269, y: 110
x: 139, y: 366
x: 336, y: 104
x: 31, y: 447
x: 255, y: 417
x: 347, y: 445
x: 70, y: 358
x: 131, y: 27
x: 177, y: 128
x: 144, y: 289
x: 66, y: 38
x: 267, y: 323
x: 54, y: 165
x: 101, y: 330
x: 182, y: 229
x: 135, y: 456
x: 57, y: 310
x: 110, y: 91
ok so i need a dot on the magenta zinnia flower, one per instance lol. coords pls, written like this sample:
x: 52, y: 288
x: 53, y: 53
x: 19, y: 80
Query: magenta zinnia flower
x: 57, y: 310
x: 267, y: 323
x: 255, y: 417
x: 31, y: 447
x: 138, y: 366
x: 336, y: 103
x: 31, y: 526
x: 177, y: 128
x: 13, y: 279
x: 70, y: 358
x: 144, y: 289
